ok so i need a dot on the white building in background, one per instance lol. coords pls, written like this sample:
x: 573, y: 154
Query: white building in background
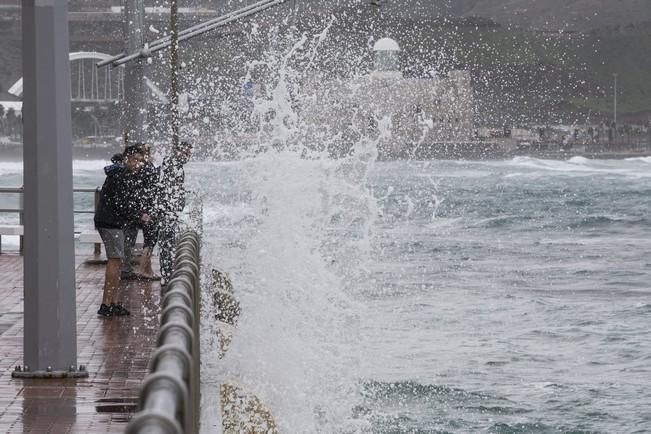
x: 425, y: 114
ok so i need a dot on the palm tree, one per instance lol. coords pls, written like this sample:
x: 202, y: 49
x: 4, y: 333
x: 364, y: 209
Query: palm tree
x: 11, y: 122
x: 2, y: 119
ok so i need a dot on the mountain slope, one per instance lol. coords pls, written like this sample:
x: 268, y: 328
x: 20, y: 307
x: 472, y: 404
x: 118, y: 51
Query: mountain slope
x: 559, y: 14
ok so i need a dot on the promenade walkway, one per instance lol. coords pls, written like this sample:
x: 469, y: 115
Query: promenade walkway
x: 115, y: 351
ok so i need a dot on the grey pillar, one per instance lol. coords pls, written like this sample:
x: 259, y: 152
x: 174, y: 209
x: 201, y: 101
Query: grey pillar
x: 134, y: 113
x: 50, y: 341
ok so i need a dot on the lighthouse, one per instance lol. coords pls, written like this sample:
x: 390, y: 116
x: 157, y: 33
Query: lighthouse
x: 387, y: 58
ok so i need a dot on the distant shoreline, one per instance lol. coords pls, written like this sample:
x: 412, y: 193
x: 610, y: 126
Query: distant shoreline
x: 13, y: 152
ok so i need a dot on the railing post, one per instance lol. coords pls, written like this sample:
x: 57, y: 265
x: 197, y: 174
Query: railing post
x: 21, y: 219
x: 97, y: 248
x: 196, y: 368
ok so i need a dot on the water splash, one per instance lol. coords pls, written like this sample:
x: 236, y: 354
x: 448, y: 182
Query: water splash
x: 303, y: 257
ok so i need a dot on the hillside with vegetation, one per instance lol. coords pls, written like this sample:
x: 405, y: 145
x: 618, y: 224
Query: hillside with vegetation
x: 537, y: 75
x: 581, y: 15
x: 521, y: 75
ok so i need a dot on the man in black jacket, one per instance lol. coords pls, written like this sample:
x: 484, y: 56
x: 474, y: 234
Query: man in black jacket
x: 117, y: 209
x: 171, y: 201
x: 150, y: 175
x: 145, y: 189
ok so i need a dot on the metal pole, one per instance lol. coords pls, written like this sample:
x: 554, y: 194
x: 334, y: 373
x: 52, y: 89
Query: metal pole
x: 97, y: 247
x: 191, y: 32
x: 615, y: 101
x: 50, y: 334
x: 614, y: 141
x: 134, y: 111
x: 21, y: 220
x: 219, y: 20
x: 174, y: 66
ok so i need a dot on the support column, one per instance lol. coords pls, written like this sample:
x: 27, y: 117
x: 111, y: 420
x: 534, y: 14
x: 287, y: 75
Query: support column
x: 50, y: 335
x: 134, y: 113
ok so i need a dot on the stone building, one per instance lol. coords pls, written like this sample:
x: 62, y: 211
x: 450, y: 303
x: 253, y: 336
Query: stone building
x: 419, y: 113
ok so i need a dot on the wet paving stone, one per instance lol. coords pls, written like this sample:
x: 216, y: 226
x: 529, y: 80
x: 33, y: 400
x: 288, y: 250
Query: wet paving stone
x: 115, y: 351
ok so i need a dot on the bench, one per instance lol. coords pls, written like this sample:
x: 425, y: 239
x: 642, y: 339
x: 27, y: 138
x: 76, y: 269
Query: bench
x: 89, y: 237
x: 10, y: 230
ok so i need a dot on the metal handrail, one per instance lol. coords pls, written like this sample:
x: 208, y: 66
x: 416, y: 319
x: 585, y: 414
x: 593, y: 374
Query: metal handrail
x: 20, y: 210
x: 19, y: 190
x: 11, y: 189
x: 194, y: 221
x: 169, y: 398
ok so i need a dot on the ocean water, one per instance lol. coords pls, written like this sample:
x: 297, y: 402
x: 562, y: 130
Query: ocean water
x: 441, y: 296
x: 425, y: 297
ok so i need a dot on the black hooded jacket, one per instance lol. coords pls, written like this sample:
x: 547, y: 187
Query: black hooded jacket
x: 147, y: 188
x: 119, y: 202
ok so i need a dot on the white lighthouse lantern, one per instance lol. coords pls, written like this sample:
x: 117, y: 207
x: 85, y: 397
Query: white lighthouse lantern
x: 387, y: 57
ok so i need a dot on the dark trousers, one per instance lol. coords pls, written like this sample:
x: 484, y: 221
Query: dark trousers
x: 130, y: 234
x: 150, y: 234
x: 167, y: 245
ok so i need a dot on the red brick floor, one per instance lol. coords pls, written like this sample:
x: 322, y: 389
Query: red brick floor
x: 115, y: 351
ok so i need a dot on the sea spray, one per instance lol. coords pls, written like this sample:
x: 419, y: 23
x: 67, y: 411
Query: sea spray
x: 298, y: 342
x: 296, y: 345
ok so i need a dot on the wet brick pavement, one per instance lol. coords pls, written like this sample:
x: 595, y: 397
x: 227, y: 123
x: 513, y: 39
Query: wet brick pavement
x: 115, y: 351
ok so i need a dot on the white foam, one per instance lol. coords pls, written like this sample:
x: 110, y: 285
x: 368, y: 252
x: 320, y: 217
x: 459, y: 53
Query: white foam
x: 11, y: 168
x: 89, y: 166
x: 640, y: 159
x: 579, y: 160
x: 580, y: 166
x: 297, y: 340
x: 78, y: 166
x: 296, y: 345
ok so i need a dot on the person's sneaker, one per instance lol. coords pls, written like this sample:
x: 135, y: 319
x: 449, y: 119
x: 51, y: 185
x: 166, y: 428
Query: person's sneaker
x: 119, y: 310
x: 128, y: 276
x: 105, y: 310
